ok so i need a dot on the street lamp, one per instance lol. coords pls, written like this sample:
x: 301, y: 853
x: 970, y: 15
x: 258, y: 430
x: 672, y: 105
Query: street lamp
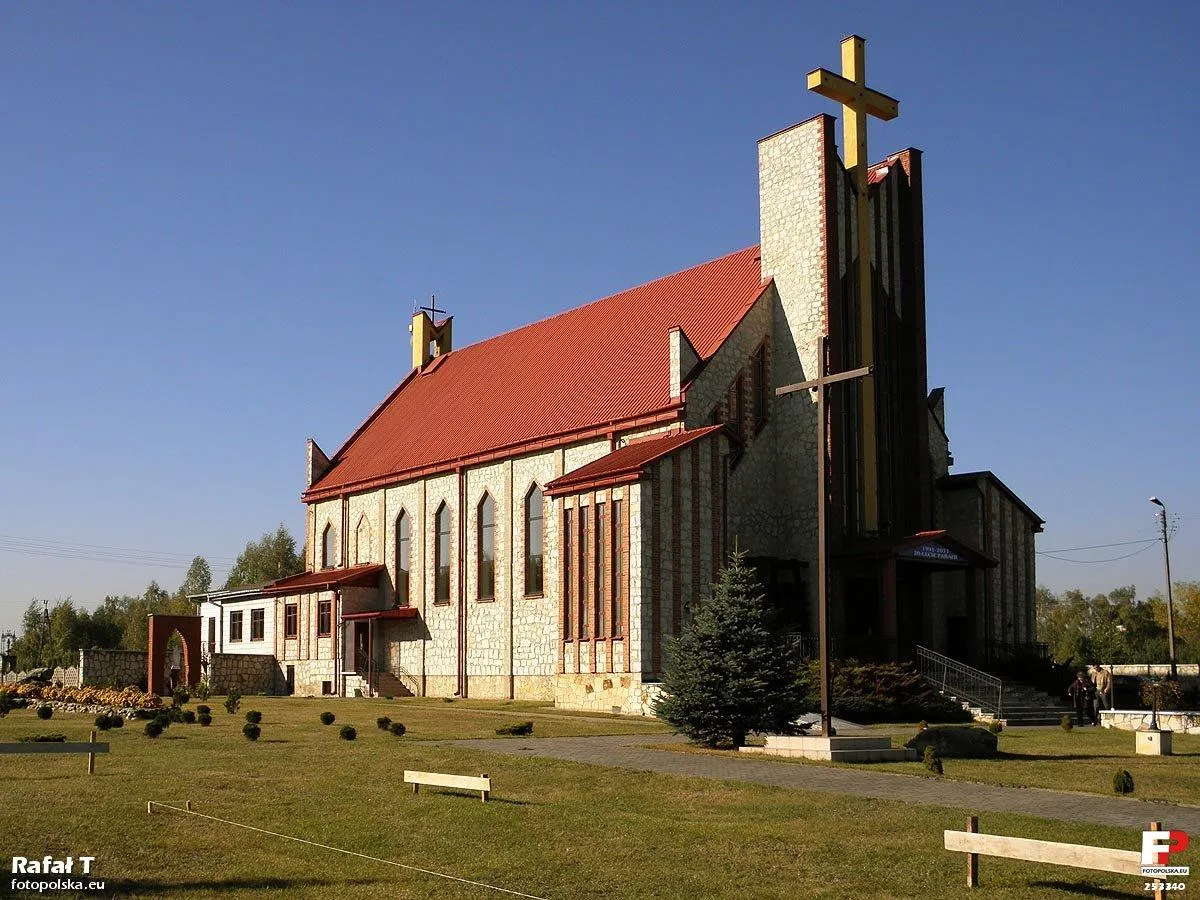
x: 1170, y: 606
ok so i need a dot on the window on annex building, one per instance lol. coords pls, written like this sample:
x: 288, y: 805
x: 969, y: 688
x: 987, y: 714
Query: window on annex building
x: 324, y: 618
x: 758, y: 372
x: 534, y: 534
x: 328, y: 547
x: 403, y: 557
x: 485, y: 548
x: 258, y: 618
x: 235, y: 627
x: 441, y: 556
x: 291, y: 620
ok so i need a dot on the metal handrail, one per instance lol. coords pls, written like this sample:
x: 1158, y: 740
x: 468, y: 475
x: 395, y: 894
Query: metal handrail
x: 979, y: 688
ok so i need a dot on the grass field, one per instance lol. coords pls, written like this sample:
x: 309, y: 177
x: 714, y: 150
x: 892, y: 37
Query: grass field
x: 554, y: 830
x: 1083, y: 759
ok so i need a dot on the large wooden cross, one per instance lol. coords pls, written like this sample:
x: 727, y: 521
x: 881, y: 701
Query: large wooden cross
x: 819, y: 384
x: 859, y: 101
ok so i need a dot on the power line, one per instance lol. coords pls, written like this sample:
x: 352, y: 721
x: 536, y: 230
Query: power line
x: 1098, y: 546
x: 1093, y: 561
x: 101, y: 553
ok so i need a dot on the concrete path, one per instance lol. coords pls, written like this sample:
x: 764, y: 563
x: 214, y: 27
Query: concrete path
x: 629, y: 752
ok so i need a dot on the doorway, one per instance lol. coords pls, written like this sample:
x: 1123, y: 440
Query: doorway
x: 362, y: 646
x: 291, y: 680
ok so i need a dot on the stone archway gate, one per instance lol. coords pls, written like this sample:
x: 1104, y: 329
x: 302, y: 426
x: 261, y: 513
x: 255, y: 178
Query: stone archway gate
x: 160, y: 629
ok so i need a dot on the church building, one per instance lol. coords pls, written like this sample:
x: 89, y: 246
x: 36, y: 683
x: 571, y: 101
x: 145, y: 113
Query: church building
x: 536, y: 515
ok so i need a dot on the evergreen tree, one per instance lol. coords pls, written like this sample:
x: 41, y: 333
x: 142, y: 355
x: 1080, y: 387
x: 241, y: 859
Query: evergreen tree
x: 731, y: 672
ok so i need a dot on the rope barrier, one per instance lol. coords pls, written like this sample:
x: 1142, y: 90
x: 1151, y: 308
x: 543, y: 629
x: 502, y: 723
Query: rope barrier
x: 387, y: 862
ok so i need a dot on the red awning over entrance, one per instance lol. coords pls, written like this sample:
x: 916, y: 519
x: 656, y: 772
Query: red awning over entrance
x: 400, y: 612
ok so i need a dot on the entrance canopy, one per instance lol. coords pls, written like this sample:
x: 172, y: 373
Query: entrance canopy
x: 399, y: 612
x: 936, y: 548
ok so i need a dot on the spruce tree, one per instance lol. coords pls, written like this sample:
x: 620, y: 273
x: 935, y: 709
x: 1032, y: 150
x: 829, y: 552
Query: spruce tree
x: 731, y: 672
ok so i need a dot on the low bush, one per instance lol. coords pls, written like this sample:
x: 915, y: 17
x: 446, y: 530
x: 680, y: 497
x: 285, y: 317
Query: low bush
x: 251, y: 731
x: 327, y: 718
x: 254, y: 717
x: 383, y: 722
x: 205, y: 719
x: 387, y: 697
x: 145, y: 713
x: 202, y: 691
x: 189, y: 717
x: 1066, y: 722
x: 1122, y: 782
x: 202, y: 710
x: 43, y: 739
x: 116, y: 721
x: 880, y: 692
x: 162, y: 719
x: 348, y: 733
x: 175, y: 714
x: 447, y: 699
x: 179, y: 697
x: 397, y: 728
x: 45, y: 712
x: 517, y: 728
x: 995, y: 726
x: 103, y: 722
x: 154, y: 728
x: 232, y: 702
x: 933, y: 762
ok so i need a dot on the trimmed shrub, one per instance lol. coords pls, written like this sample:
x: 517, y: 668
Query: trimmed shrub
x: 932, y: 761
x: 154, y: 728
x: 397, y: 728
x: 254, y: 717
x: 880, y: 692
x: 205, y: 719
x: 103, y: 722
x: 43, y: 739
x: 387, y: 697
x: 189, y: 717
x: 955, y: 742
x: 116, y: 721
x: 202, y: 710
x: 179, y: 697
x: 1066, y: 722
x: 162, y: 719
x: 145, y: 713
x: 327, y: 718
x: 383, y: 722
x: 232, y: 702
x: 517, y: 728
x: 995, y: 726
x: 348, y: 733
x: 447, y: 699
x: 251, y: 731
x: 1122, y: 782
x: 45, y: 712
x: 175, y: 714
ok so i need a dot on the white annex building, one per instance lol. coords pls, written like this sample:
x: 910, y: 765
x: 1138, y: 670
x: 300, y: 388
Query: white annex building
x: 534, y: 516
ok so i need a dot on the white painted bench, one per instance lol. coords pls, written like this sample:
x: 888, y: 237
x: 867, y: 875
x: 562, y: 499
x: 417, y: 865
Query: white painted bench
x: 91, y: 748
x: 1081, y: 856
x: 483, y: 784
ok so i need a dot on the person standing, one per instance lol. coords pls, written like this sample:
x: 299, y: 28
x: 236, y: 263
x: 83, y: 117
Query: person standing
x: 1078, y: 692
x: 1104, y: 682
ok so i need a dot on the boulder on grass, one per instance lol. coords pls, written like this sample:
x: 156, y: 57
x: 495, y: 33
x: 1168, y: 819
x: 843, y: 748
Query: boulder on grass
x: 956, y: 742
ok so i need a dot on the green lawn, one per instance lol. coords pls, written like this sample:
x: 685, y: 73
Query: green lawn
x: 1083, y: 759
x: 555, y: 829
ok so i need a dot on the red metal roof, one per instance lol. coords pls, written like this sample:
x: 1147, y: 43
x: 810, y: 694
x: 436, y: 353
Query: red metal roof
x: 326, y: 580
x: 625, y: 464
x: 600, y: 365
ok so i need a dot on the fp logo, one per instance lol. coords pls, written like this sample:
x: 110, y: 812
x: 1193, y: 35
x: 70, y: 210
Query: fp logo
x: 1157, y: 847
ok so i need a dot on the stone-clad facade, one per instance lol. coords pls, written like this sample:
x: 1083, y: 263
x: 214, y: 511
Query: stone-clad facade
x: 638, y: 440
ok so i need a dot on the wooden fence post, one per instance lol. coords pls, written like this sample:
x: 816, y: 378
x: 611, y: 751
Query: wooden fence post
x: 92, y: 756
x: 484, y: 794
x: 1159, y: 893
x: 973, y: 858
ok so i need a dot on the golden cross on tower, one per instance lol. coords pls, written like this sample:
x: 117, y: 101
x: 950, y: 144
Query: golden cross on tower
x: 859, y: 101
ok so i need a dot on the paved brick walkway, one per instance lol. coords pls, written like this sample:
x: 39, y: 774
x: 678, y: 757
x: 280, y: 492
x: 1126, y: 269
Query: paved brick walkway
x: 629, y: 752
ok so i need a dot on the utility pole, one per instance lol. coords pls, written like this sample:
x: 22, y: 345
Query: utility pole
x: 1166, y: 539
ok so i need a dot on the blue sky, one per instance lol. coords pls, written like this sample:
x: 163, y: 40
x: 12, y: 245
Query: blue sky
x: 217, y: 218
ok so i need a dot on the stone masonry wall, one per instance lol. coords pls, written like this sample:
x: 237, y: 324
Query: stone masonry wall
x: 793, y: 169
x: 248, y: 673
x: 119, y: 668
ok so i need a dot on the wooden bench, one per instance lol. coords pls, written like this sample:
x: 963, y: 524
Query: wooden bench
x: 1098, y: 859
x: 91, y: 748
x: 483, y: 784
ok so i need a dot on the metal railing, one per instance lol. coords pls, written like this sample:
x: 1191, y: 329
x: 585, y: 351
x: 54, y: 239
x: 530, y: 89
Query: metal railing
x: 865, y: 648
x: 965, y: 682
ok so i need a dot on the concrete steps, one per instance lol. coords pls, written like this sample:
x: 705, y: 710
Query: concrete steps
x: 848, y: 748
